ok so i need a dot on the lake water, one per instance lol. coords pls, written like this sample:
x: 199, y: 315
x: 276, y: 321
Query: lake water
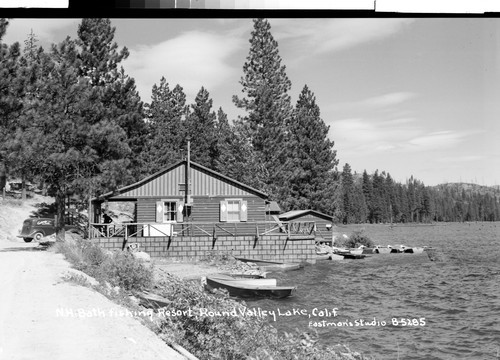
x: 453, y: 303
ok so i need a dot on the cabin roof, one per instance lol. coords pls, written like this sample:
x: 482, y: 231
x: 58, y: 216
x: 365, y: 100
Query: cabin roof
x: 193, y: 165
x: 294, y: 214
x: 273, y: 208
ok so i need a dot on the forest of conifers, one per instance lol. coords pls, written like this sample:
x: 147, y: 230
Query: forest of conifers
x: 72, y: 120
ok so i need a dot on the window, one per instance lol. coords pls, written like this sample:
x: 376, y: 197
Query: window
x: 233, y: 210
x: 169, y: 211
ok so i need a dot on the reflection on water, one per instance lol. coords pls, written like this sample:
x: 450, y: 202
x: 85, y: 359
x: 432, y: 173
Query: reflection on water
x: 448, y: 309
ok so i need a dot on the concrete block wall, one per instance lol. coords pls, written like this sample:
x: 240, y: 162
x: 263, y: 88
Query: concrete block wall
x: 271, y: 247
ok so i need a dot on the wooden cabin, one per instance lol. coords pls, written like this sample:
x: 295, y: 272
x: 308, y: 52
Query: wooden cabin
x: 187, y: 209
x: 162, y: 199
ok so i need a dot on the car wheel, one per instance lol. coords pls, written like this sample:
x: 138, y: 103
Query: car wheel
x: 28, y: 239
x: 38, y: 236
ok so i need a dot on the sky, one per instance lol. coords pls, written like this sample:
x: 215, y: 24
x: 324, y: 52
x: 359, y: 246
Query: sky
x: 408, y: 96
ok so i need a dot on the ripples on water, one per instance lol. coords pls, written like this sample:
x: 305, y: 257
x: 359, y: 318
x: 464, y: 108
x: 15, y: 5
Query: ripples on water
x: 459, y: 296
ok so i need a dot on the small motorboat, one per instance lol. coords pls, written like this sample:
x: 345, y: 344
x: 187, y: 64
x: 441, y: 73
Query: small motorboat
x: 247, y: 288
x: 358, y: 251
x: 343, y: 251
x: 379, y: 249
x: 414, y: 250
x: 252, y: 275
x: 335, y: 257
x: 340, y: 251
x: 354, y: 256
x: 322, y: 249
x: 258, y: 262
x: 248, y: 279
x: 282, y: 267
x: 268, y: 265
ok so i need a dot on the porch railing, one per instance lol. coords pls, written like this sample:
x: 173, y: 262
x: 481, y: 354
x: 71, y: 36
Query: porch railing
x: 293, y: 230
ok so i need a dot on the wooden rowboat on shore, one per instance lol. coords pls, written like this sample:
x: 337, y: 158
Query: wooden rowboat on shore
x: 268, y: 265
x: 247, y: 288
x: 247, y: 279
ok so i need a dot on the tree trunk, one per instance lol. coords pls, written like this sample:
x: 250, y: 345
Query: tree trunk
x: 60, y: 215
x: 23, y: 187
x: 3, y: 178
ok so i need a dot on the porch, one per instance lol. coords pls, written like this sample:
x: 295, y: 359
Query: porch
x: 270, y: 240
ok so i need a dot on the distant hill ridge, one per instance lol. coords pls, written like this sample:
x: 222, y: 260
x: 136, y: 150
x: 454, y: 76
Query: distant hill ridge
x: 470, y: 188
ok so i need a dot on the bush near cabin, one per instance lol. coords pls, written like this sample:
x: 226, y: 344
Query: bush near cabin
x: 118, y: 268
x: 358, y: 238
x: 207, y: 337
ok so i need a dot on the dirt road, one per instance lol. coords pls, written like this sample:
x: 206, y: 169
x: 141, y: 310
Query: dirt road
x: 43, y: 317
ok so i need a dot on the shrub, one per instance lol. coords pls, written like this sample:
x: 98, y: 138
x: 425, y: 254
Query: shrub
x: 226, y: 336
x: 93, y: 254
x: 73, y: 252
x: 358, y: 238
x: 124, y: 270
x: 118, y: 268
x: 221, y: 337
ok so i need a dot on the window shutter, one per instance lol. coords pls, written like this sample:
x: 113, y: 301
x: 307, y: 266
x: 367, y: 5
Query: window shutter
x: 243, y: 210
x: 223, y: 211
x: 159, y: 211
x: 180, y: 211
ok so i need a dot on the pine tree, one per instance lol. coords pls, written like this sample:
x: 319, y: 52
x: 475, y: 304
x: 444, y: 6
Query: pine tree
x: 225, y: 159
x: 166, y: 127
x: 115, y: 92
x: 337, y: 207
x: 235, y: 155
x: 10, y: 88
x: 3, y: 27
x: 99, y: 56
x: 428, y: 205
x: 76, y: 148
x: 266, y: 85
x: 3, y: 169
x: 377, y: 198
x: 20, y: 144
x: 11, y: 92
x: 310, y: 157
x: 30, y: 49
x: 388, y: 198
x: 404, y: 214
x: 360, y: 210
x: 200, y: 129
x: 368, y: 194
x: 347, y: 195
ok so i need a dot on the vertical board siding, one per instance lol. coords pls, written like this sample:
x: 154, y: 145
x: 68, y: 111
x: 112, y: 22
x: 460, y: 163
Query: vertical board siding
x: 162, y: 186
x: 206, y: 184
x: 203, y: 183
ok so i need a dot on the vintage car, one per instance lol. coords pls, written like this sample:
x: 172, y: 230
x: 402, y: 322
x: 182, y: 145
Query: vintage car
x: 37, y: 228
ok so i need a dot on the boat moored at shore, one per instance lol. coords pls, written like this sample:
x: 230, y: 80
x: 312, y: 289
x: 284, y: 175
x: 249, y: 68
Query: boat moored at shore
x: 247, y: 288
